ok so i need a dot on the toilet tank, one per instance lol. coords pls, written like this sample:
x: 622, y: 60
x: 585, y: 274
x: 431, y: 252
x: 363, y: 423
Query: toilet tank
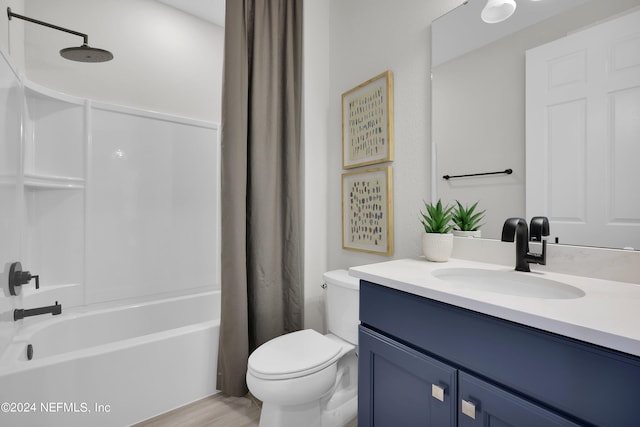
x: 342, y: 304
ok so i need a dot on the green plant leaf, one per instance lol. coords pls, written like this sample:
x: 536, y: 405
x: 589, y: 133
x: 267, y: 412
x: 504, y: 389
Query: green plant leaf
x: 465, y: 218
x: 437, y: 219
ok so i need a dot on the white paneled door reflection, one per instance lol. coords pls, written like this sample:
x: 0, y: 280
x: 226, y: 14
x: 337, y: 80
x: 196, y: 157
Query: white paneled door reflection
x: 583, y: 134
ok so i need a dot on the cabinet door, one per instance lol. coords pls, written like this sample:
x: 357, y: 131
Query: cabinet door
x: 482, y: 404
x: 399, y: 386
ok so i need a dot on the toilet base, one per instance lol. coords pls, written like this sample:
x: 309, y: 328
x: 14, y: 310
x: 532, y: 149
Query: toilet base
x: 310, y: 415
x: 342, y: 415
x: 299, y: 415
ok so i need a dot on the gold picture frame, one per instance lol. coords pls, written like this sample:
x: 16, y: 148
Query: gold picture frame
x: 367, y: 122
x: 367, y: 211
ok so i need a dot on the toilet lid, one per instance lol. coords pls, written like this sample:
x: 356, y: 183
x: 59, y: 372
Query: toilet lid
x: 294, y: 355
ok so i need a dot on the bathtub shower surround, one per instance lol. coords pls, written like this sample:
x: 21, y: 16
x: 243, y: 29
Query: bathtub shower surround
x: 152, y: 208
x: 116, y: 209
x: 10, y: 94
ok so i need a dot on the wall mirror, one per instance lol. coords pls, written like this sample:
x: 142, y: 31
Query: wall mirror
x: 478, y: 96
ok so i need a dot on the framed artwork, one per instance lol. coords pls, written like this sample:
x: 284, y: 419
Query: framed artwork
x: 367, y: 122
x: 367, y: 211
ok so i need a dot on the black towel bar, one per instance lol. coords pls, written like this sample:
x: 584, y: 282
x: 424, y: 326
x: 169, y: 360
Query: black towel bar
x: 506, y: 171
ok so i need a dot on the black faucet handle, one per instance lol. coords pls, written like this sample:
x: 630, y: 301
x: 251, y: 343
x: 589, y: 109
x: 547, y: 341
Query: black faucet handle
x: 19, y: 277
x: 24, y: 277
x: 510, y: 227
x: 538, y: 228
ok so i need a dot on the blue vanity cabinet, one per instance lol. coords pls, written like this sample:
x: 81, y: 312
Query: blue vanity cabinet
x: 399, y: 386
x: 511, y: 374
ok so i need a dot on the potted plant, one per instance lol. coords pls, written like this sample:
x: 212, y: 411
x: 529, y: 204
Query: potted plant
x: 467, y: 220
x: 437, y: 240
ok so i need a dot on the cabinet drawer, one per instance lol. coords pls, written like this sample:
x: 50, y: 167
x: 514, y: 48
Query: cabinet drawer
x: 572, y: 377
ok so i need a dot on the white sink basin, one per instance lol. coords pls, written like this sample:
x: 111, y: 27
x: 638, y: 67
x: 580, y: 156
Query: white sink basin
x: 508, y: 282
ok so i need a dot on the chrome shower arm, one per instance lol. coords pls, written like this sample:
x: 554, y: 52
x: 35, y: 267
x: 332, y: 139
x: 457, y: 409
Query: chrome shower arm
x: 46, y: 24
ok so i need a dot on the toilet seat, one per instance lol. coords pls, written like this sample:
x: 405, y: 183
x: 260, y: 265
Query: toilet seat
x: 294, y: 355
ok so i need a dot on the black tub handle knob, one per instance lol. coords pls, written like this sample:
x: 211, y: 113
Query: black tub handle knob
x: 18, y: 277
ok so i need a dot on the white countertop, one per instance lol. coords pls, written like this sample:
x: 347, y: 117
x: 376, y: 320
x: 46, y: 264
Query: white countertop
x: 608, y: 315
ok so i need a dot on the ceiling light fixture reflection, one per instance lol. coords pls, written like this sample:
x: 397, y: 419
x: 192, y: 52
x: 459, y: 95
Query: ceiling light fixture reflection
x: 497, y: 11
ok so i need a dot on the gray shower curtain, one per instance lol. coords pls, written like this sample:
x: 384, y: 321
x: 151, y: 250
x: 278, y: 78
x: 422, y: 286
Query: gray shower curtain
x: 261, y: 190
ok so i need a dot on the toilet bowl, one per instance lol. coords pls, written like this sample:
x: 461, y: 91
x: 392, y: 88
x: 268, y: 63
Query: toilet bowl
x: 305, y: 378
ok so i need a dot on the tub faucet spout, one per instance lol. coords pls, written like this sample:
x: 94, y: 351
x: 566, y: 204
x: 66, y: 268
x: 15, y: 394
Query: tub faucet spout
x: 20, y: 313
x: 516, y: 229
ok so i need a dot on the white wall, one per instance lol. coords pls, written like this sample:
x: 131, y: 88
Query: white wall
x: 472, y: 135
x: 367, y: 38
x: 346, y: 43
x: 164, y: 60
x: 316, y: 101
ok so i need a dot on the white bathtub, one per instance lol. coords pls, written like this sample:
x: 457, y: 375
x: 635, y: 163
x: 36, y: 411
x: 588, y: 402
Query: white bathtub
x: 111, y: 367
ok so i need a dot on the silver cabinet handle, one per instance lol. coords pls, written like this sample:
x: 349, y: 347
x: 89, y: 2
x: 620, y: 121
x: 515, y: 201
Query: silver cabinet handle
x: 469, y: 409
x: 437, y: 392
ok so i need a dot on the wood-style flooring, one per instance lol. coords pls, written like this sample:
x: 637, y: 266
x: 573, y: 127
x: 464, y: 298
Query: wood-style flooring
x: 218, y: 410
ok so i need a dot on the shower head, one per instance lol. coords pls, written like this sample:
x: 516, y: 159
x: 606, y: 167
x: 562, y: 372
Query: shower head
x: 84, y: 53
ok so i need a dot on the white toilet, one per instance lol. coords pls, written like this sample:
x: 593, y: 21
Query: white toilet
x: 308, y: 379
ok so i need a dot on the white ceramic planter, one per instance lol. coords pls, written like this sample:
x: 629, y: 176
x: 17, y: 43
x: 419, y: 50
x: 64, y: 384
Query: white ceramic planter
x: 437, y: 247
x: 476, y: 233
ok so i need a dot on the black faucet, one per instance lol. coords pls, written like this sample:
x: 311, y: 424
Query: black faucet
x: 516, y: 229
x: 20, y: 313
